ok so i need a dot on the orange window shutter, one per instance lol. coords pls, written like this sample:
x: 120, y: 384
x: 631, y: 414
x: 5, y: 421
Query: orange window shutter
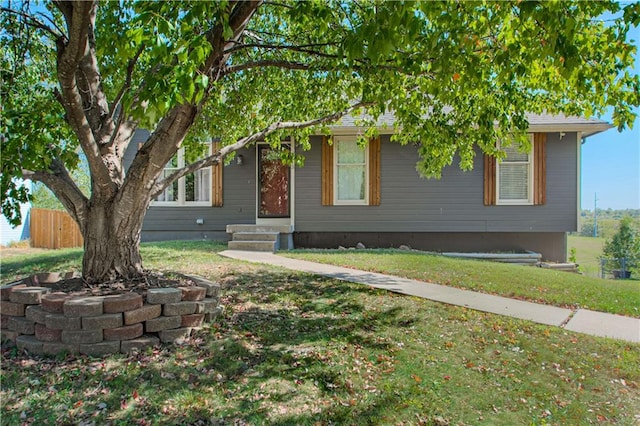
x: 327, y: 172
x: 540, y: 168
x: 489, y: 180
x: 374, y: 172
x: 216, y: 179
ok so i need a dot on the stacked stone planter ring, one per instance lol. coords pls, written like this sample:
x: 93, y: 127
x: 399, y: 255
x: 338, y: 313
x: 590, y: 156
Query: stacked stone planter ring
x: 43, y: 322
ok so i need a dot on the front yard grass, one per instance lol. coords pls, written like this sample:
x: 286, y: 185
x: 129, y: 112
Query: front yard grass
x: 588, y: 251
x: 522, y: 282
x: 295, y: 349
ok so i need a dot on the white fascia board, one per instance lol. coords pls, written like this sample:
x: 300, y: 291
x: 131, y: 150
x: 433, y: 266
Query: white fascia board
x: 357, y: 130
x: 585, y: 129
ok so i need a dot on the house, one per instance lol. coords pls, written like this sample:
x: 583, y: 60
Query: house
x: 344, y: 195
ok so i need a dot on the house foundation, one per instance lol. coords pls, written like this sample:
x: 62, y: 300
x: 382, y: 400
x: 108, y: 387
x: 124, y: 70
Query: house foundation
x: 552, y: 245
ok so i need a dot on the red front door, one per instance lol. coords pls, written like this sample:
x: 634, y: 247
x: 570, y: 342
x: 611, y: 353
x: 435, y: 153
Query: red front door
x: 273, y: 188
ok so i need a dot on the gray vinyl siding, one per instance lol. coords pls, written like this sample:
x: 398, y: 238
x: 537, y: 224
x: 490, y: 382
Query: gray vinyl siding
x: 408, y: 203
x: 140, y: 136
x: 452, y: 204
x: 179, y: 222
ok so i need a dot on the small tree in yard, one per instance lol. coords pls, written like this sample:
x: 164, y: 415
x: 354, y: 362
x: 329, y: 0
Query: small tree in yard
x: 458, y: 75
x: 625, y: 244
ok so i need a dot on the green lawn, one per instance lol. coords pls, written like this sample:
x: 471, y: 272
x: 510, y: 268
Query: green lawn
x: 588, y: 252
x: 296, y: 349
x: 522, y: 282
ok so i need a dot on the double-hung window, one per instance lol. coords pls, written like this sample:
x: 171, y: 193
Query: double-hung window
x: 351, y: 175
x: 520, y: 178
x: 515, y: 176
x: 193, y: 189
x: 350, y: 172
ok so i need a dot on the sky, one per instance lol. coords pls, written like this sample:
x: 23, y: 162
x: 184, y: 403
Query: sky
x: 611, y: 162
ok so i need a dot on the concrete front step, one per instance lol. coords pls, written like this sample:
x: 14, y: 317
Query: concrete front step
x: 269, y: 246
x: 282, y: 229
x: 255, y: 236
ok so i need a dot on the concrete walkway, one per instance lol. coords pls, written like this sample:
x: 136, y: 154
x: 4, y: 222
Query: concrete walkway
x: 582, y: 320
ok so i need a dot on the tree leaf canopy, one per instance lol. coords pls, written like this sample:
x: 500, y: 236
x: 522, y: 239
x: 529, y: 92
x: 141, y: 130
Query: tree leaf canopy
x: 457, y: 75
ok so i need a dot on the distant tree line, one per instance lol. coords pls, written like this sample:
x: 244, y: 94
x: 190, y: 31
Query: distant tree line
x: 608, y: 221
x: 611, y: 213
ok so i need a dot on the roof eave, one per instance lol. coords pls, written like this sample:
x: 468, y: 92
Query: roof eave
x: 586, y: 129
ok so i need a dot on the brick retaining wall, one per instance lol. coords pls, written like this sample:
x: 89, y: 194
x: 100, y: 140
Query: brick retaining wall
x: 41, y: 322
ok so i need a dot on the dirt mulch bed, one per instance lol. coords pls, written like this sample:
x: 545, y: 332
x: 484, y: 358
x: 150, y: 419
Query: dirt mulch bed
x: 138, y: 285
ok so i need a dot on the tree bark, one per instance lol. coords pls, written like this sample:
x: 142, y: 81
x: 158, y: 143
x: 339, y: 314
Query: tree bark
x: 112, y: 241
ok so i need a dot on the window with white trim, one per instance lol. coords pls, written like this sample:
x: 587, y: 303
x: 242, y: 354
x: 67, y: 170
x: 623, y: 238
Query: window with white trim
x: 514, y: 176
x: 351, y: 174
x: 193, y: 189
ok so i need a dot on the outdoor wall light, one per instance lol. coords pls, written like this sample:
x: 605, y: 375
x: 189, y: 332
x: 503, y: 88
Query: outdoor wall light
x: 200, y: 221
x: 239, y: 160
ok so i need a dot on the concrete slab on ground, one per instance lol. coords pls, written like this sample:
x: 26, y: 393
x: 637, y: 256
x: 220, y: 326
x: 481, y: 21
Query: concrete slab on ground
x: 605, y: 325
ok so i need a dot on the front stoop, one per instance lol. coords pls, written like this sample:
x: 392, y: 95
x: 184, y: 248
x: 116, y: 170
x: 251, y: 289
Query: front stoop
x: 269, y: 246
x: 258, y: 237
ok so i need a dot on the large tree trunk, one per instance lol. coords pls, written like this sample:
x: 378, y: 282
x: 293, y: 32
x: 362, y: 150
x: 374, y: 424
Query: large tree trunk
x: 112, y: 241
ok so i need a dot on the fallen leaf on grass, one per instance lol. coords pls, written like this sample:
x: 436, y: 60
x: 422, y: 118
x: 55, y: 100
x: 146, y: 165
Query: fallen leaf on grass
x: 348, y: 403
x: 440, y: 421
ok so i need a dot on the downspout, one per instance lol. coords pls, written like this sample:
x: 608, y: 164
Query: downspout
x: 580, y: 142
x: 292, y: 190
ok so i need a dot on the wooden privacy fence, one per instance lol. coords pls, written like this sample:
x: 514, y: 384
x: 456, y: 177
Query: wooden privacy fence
x: 54, y: 229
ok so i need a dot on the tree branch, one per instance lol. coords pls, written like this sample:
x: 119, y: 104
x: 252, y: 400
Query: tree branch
x: 273, y: 3
x: 266, y: 63
x: 152, y: 157
x: 65, y: 189
x: 238, y: 20
x: 32, y: 21
x: 75, y: 56
x: 170, y: 132
x: 255, y: 137
x: 52, y: 21
x: 302, y: 48
x: 305, y: 67
x: 127, y: 82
